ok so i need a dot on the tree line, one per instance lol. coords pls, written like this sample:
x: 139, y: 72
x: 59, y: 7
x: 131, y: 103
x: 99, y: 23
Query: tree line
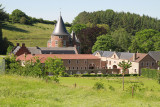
x: 131, y: 22
x: 121, y: 31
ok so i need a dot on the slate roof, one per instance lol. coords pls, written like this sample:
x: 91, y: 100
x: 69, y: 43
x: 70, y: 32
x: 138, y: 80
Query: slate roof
x: 16, y: 49
x: 34, y: 50
x: 104, y: 53
x: 122, y: 55
x: 60, y: 28
x: 155, y: 55
x: 125, y: 55
x: 52, y: 50
x: 43, y: 57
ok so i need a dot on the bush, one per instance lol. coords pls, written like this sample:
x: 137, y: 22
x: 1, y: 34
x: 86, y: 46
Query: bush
x: 98, y: 85
x: 149, y: 73
x: 64, y: 74
x: 111, y: 88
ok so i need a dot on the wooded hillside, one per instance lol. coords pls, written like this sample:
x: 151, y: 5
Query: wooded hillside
x: 131, y: 22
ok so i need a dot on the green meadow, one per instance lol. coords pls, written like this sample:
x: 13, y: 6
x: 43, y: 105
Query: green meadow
x: 28, y: 91
x: 36, y: 35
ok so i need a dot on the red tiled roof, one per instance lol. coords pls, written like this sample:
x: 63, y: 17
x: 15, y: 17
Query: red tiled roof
x: 43, y: 57
x: 140, y: 56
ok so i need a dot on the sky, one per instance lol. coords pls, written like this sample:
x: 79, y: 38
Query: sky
x: 50, y: 9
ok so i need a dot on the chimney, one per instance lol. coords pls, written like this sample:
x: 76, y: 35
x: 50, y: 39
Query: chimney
x: 23, y: 44
x: 17, y: 44
x: 33, y: 54
x: 134, y: 56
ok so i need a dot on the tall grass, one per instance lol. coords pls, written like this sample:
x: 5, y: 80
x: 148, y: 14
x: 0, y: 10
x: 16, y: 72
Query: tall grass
x: 28, y: 91
x: 36, y: 35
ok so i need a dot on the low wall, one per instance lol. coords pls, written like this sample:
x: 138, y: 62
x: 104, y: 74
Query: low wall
x: 94, y: 71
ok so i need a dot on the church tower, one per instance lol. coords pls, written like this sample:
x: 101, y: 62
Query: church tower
x: 59, y: 37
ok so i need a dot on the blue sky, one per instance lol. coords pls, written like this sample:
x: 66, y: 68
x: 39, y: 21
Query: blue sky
x: 50, y: 9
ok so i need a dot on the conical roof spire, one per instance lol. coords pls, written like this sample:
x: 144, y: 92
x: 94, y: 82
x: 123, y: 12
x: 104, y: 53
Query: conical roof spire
x: 60, y: 28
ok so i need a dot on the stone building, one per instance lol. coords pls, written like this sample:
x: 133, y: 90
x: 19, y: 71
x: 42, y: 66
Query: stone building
x: 72, y: 62
x: 110, y: 60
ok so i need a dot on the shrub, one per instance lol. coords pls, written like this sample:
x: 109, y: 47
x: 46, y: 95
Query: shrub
x: 149, y: 73
x: 98, y: 85
x: 111, y: 88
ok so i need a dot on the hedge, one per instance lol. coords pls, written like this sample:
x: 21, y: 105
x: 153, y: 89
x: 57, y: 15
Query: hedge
x: 149, y: 73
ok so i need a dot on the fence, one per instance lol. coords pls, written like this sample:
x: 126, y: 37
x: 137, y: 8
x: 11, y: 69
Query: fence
x: 2, y: 66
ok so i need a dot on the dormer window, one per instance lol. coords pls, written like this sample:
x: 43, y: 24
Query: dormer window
x: 114, y: 56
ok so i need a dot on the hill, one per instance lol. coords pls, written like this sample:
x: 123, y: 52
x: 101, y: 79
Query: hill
x: 28, y: 91
x: 131, y: 22
x: 32, y: 35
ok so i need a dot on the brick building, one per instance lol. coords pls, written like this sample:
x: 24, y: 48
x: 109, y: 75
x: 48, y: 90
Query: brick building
x: 61, y: 38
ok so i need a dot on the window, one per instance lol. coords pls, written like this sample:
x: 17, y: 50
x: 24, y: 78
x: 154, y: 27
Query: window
x: 85, y: 61
x: 73, y: 67
x: 114, y: 56
x: 85, y: 67
x: 56, y: 43
x: 77, y: 61
x: 141, y: 63
x: 147, y: 64
x: 64, y: 43
x: 109, y: 62
x: 135, y: 70
x: 106, y: 61
x: 152, y: 63
x: 77, y: 67
x: 60, y: 36
x: 69, y: 61
x: 114, y: 61
x: 97, y: 67
x: 81, y: 67
x: 69, y: 68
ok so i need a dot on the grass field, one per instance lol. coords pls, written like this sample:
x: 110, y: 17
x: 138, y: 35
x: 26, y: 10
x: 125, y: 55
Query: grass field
x: 36, y: 35
x: 28, y: 91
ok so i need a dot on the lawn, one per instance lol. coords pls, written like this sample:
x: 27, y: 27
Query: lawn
x: 36, y: 35
x: 28, y: 91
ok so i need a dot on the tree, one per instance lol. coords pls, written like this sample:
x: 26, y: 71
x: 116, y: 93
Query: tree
x: 104, y: 43
x: 88, y: 37
x: 77, y: 28
x: 125, y: 66
x: 17, y: 15
x: 131, y: 22
x: 54, y: 66
x: 145, y: 41
x: 121, y: 39
x: 23, y: 20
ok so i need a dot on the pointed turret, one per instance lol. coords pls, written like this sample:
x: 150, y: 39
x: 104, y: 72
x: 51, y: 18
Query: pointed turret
x: 60, y: 28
